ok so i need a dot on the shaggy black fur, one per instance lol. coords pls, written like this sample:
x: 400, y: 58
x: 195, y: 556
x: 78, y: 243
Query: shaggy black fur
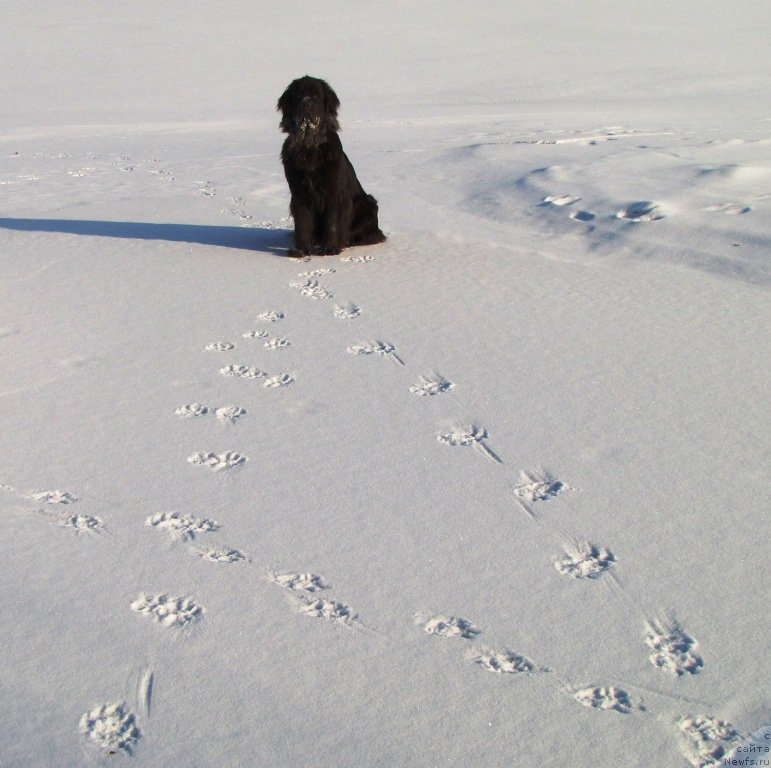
x: 331, y: 211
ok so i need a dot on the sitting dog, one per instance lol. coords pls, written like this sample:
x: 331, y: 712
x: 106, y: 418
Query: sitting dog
x: 331, y: 211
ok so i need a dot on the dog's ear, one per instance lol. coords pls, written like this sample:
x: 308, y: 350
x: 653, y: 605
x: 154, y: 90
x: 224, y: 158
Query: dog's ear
x: 332, y: 104
x: 284, y: 105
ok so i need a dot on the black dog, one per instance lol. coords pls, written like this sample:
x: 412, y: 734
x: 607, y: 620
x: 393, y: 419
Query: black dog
x: 331, y: 211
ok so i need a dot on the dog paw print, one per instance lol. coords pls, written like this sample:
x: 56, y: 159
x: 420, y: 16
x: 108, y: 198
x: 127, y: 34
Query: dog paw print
x: 185, y: 527
x: 299, y: 582
x: 191, y: 411
x: 606, y: 698
x: 317, y: 272
x: 451, y: 627
x: 80, y: 523
x: 218, y: 462
x: 504, y: 662
x: 331, y: 610
x: 53, y: 497
x: 431, y: 385
x: 219, y: 346
x: 584, y: 561
x: 256, y: 335
x: 242, y: 372
x: 221, y: 555
x: 271, y: 316
x: 469, y: 436
x: 347, y: 312
x: 112, y: 727
x: 311, y: 289
x: 381, y: 348
x: 533, y: 488
x: 357, y: 258
x: 674, y: 650
x: 230, y: 413
x: 279, y: 380
x: 643, y: 210
x: 168, y: 611
x: 277, y: 343
x: 707, y: 740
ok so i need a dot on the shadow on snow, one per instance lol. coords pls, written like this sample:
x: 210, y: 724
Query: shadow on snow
x: 275, y: 241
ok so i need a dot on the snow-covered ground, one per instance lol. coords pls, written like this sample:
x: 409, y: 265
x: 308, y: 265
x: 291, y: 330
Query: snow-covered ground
x: 493, y: 493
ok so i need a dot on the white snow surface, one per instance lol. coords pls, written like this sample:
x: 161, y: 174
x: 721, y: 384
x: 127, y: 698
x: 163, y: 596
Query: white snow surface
x: 529, y: 434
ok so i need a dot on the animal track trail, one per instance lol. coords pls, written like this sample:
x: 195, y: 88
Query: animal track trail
x: 503, y: 662
x: 706, y: 739
x: 381, y: 348
x: 584, y: 560
x: 299, y: 582
x: 535, y: 488
x: 230, y: 413
x: 191, y: 411
x: 218, y: 462
x: 206, y: 188
x: 674, y: 650
x: 279, y: 381
x: 226, y: 413
x: 220, y: 346
x: 221, y: 554
x: 183, y: 527
x: 347, y: 311
x: 642, y: 210
x: 111, y: 727
x: 559, y: 200
x: 607, y: 698
x: 729, y: 209
x: 80, y: 523
x: 453, y: 627
x: 243, y: 372
x: 277, y: 343
x: 271, y: 316
x: 331, y: 610
x: 470, y: 436
x: 312, y: 289
x: 168, y: 611
x: 53, y: 497
x: 430, y: 385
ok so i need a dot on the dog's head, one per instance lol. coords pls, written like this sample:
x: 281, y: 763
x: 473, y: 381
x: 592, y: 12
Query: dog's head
x: 308, y: 110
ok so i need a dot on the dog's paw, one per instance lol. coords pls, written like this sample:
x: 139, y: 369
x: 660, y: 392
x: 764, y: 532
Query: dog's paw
x: 331, y: 250
x: 298, y: 253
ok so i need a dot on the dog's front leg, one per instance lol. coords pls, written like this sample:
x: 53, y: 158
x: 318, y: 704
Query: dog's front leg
x: 303, y: 229
x: 331, y: 243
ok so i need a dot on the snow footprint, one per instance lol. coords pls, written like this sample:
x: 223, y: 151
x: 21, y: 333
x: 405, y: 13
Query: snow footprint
x: 607, y: 698
x: 331, y: 610
x: 382, y: 348
x: 706, y: 739
x: 221, y: 555
x: 451, y: 627
x: 504, y: 662
x: 168, y: 611
x: 299, y: 582
x: 218, y: 462
x: 311, y: 289
x: 583, y: 560
x: 674, y: 650
x: 347, y: 311
x: 184, y: 527
x: 642, y: 210
x: 80, y: 523
x: 112, y: 727
x: 469, y: 436
x: 430, y: 385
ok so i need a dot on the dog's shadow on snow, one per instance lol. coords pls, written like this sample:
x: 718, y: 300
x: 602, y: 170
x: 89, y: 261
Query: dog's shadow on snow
x: 273, y: 241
